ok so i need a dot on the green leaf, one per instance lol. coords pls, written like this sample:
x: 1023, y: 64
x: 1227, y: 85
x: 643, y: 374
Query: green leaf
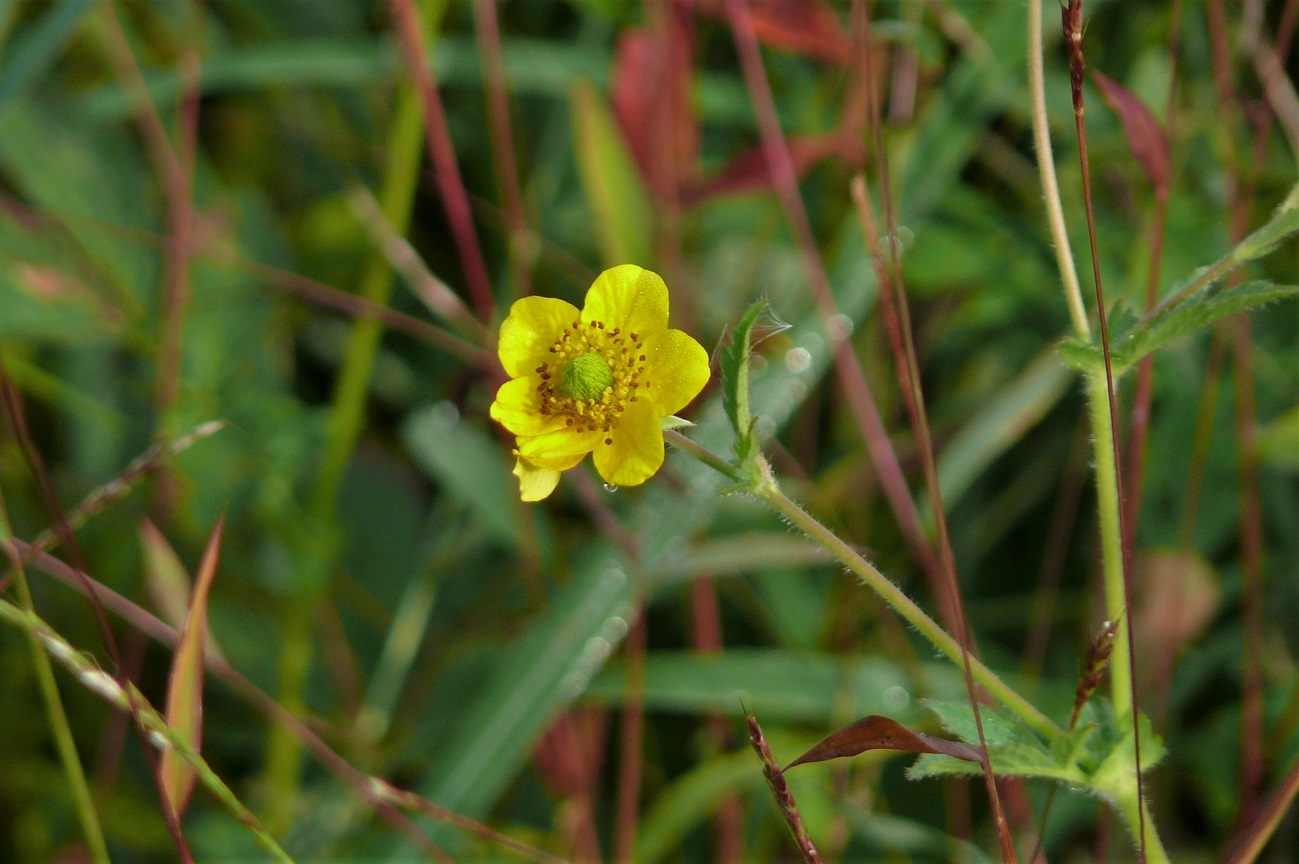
x: 1191, y: 313
x: 1114, y: 776
x: 997, y: 730
x: 777, y: 685
x: 692, y: 798
x: 1278, y: 441
x: 1195, y: 312
x: 1010, y: 760
x: 735, y: 380
x: 544, y: 671
x: 467, y: 464
x: 619, y: 204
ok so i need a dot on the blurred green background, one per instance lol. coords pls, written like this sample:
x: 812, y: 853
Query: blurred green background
x: 193, y: 194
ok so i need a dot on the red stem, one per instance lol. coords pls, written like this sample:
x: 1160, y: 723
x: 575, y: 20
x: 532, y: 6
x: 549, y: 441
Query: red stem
x: 498, y: 117
x: 1073, y: 31
x: 442, y: 155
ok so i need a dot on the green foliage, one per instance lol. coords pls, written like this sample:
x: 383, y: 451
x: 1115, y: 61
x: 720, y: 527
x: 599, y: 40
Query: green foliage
x: 735, y: 381
x: 1096, y: 755
x: 379, y: 578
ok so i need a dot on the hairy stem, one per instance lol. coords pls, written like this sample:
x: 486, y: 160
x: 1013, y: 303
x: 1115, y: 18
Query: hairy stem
x: 769, y: 491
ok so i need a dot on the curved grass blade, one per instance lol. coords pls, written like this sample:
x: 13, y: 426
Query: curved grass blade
x: 185, y: 691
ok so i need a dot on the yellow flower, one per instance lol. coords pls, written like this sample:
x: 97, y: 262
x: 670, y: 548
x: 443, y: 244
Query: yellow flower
x: 596, y: 381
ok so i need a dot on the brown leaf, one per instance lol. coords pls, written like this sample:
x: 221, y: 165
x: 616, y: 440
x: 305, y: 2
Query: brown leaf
x: 881, y: 733
x: 1146, y: 138
x: 185, y: 689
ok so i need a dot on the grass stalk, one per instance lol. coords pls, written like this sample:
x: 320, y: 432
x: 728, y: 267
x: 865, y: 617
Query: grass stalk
x: 57, y: 717
x: 48, y: 643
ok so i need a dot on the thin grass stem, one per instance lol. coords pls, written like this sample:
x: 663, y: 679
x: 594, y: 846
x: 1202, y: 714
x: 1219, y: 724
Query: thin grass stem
x: 57, y: 717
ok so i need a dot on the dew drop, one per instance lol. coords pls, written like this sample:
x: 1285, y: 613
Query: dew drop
x: 610, y: 487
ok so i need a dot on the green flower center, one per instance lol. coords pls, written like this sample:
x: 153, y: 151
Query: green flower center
x: 585, y: 377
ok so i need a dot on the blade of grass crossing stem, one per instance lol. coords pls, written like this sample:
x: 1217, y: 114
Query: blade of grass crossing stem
x: 785, y: 686
x: 185, y: 691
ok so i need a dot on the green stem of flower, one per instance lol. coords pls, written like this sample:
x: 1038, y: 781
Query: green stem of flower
x: 769, y: 491
x: 1107, y: 506
x: 703, y: 454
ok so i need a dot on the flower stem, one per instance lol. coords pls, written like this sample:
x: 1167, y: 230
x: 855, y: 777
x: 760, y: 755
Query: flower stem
x: 769, y: 491
x: 1107, y: 505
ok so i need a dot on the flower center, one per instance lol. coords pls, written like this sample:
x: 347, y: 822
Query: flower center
x: 592, y: 375
x: 585, y: 377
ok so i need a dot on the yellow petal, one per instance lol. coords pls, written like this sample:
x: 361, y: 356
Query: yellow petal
x: 534, y: 483
x: 518, y: 408
x: 676, y: 367
x: 637, y: 449
x: 559, y: 449
x: 630, y: 298
x: 532, y: 327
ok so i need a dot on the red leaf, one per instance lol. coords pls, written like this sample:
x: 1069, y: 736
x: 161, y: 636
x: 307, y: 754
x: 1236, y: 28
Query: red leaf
x: 650, y: 91
x: 800, y: 26
x: 1146, y: 138
x: 881, y: 733
x: 748, y: 172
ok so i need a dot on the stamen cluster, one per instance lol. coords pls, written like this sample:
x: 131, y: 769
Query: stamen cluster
x: 623, y: 355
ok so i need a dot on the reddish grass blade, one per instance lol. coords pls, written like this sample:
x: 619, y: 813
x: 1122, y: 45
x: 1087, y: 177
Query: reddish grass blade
x: 751, y: 172
x: 1146, y: 137
x: 185, y: 690
x: 1250, y: 842
x: 799, y: 26
x: 881, y: 733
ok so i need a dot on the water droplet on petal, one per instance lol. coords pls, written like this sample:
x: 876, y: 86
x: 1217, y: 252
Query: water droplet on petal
x: 610, y: 487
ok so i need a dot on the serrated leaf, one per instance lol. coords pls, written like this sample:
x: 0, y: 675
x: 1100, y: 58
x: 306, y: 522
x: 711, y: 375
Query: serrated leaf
x: 1197, y: 311
x: 1189, y: 314
x: 1011, y: 760
x: 185, y: 690
x: 1114, y: 776
x: 735, y: 379
x: 1284, y: 222
x: 998, y: 731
